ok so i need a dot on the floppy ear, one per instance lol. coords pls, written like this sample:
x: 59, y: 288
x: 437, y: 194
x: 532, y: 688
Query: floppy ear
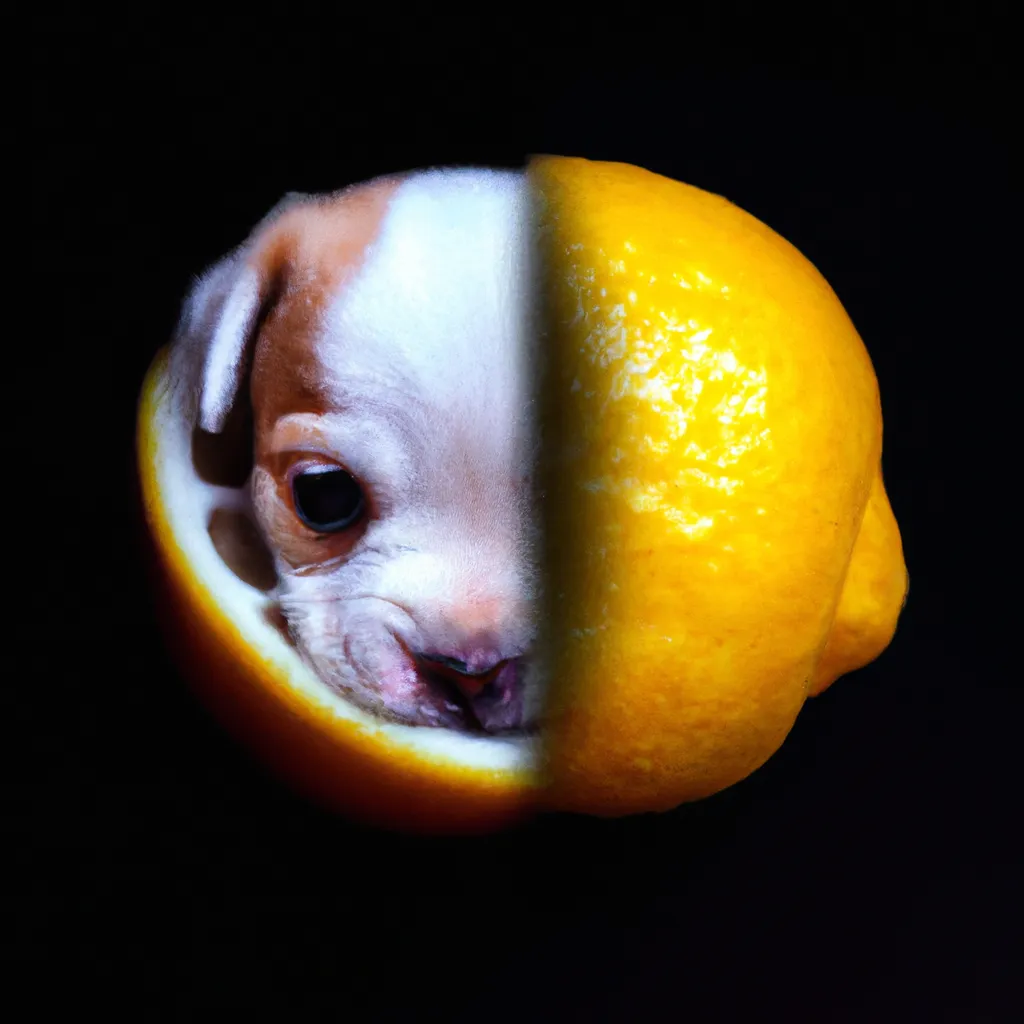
x: 220, y: 320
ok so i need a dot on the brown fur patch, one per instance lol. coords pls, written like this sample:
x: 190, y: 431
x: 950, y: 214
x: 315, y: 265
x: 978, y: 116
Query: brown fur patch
x: 311, y: 251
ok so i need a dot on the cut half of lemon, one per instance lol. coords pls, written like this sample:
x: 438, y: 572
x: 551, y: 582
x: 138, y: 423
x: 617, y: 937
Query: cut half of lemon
x: 223, y: 634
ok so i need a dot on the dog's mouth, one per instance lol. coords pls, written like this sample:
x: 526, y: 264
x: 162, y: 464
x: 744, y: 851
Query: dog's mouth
x: 491, y: 702
x: 423, y: 691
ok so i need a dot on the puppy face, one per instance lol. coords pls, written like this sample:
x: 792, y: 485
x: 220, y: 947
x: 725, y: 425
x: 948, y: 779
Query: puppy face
x: 392, y: 406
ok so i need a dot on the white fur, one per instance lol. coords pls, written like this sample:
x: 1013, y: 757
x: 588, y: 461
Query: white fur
x: 224, y: 358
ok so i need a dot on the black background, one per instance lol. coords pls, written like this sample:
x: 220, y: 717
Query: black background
x: 866, y: 873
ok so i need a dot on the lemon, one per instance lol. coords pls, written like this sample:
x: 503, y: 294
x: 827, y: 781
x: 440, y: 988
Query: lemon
x: 720, y: 543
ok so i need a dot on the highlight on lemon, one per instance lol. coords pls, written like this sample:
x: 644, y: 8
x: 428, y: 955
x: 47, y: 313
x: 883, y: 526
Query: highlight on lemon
x: 713, y: 542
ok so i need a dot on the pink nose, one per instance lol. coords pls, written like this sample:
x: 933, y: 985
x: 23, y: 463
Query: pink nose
x: 470, y: 670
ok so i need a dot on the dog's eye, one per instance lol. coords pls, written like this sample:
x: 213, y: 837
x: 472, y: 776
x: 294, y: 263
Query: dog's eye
x: 327, y: 499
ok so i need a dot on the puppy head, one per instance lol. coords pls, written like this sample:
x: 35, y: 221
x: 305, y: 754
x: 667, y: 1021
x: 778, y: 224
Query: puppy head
x: 383, y: 338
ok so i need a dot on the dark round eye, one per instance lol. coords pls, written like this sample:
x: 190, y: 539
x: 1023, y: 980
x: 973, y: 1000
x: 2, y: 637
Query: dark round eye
x: 327, y: 500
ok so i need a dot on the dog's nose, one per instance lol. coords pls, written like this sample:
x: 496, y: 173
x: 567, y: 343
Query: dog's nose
x: 469, y: 671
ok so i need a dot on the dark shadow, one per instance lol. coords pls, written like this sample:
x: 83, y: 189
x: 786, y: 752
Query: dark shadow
x: 562, y: 443
x: 225, y: 459
x: 242, y: 548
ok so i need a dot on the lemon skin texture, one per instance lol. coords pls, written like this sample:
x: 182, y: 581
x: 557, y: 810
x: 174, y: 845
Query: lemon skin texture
x: 719, y: 544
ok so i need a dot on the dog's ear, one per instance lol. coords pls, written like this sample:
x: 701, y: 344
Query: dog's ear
x: 220, y: 321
